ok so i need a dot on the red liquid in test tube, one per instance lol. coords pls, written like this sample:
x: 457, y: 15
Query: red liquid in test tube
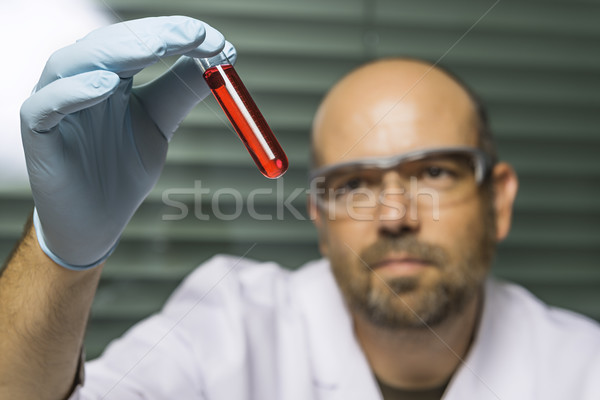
x: 247, y: 120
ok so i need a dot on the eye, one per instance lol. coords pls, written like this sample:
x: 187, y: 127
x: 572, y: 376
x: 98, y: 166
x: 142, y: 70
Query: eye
x: 437, y: 172
x: 348, y: 183
x: 351, y: 184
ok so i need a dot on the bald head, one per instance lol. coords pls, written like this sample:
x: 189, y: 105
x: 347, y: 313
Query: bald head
x: 392, y: 106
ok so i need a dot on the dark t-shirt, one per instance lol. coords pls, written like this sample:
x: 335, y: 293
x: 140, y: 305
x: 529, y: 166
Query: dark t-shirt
x: 393, y: 393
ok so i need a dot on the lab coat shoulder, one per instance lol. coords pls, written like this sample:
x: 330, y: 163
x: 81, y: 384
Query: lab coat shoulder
x: 230, y: 330
x: 234, y: 307
x: 564, y: 345
x: 525, y: 349
x: 224, y: 281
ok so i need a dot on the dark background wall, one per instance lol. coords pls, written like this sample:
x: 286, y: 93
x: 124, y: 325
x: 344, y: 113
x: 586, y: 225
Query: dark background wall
x: 535, y: 63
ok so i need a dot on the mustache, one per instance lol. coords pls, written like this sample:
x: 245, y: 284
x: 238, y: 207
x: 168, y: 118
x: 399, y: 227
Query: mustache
x: 409, y: 245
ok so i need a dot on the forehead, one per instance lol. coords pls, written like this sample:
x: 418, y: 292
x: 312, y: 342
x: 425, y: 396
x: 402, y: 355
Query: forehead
x: 390, y: 108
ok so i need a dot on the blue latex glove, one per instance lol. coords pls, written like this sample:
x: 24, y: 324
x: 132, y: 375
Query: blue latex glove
x: 94, y: 145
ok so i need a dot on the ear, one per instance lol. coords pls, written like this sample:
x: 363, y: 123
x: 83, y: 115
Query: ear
x: 317, y: 220
x: 505, y: 183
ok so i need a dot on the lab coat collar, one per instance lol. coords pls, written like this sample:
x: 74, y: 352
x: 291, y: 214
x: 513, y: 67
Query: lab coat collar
x: 341, y: 370
x: 495, y: 367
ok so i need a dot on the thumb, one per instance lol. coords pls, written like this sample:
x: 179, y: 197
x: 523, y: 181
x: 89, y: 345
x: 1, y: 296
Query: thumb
x: 169, y: 98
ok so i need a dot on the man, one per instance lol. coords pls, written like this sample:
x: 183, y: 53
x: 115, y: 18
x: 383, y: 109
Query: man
x: 408, y: 200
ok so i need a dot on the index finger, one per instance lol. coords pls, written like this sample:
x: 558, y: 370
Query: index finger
x: 128, y: 47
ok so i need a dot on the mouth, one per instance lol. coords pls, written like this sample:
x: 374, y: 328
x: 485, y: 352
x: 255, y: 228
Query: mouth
x: 404, y: 264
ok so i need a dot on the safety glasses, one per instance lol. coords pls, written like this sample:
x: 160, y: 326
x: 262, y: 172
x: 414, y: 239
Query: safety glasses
x: 443, y: 175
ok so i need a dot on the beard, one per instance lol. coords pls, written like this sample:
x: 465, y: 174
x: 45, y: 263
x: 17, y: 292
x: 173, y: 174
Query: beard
x: 416, y: 301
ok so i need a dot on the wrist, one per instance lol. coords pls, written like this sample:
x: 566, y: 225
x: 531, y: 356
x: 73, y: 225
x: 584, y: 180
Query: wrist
x: 58, y: 260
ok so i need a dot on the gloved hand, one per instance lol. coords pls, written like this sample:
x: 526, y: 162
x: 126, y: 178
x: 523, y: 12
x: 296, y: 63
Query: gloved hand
x: 94, y: 145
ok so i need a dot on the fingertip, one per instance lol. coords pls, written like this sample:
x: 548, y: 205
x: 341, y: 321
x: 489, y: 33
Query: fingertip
x: 214, y: 40
x: 43, y: 110
x: 213, y: 43
x: 192, y: 29
x: 104, y: 81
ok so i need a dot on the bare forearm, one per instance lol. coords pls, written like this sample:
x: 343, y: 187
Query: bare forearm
x: 43, y: 313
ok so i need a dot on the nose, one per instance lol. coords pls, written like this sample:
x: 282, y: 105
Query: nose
x: 394, y: 214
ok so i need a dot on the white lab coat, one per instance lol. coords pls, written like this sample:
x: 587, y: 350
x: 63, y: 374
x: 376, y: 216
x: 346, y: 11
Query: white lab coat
x: 238, y: 330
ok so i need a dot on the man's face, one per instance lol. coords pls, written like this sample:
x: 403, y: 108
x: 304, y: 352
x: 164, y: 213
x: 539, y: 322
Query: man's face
x: 415, y: 264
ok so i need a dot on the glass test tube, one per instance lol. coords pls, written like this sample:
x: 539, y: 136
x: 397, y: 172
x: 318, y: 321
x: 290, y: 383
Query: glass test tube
x: 244, y: 115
